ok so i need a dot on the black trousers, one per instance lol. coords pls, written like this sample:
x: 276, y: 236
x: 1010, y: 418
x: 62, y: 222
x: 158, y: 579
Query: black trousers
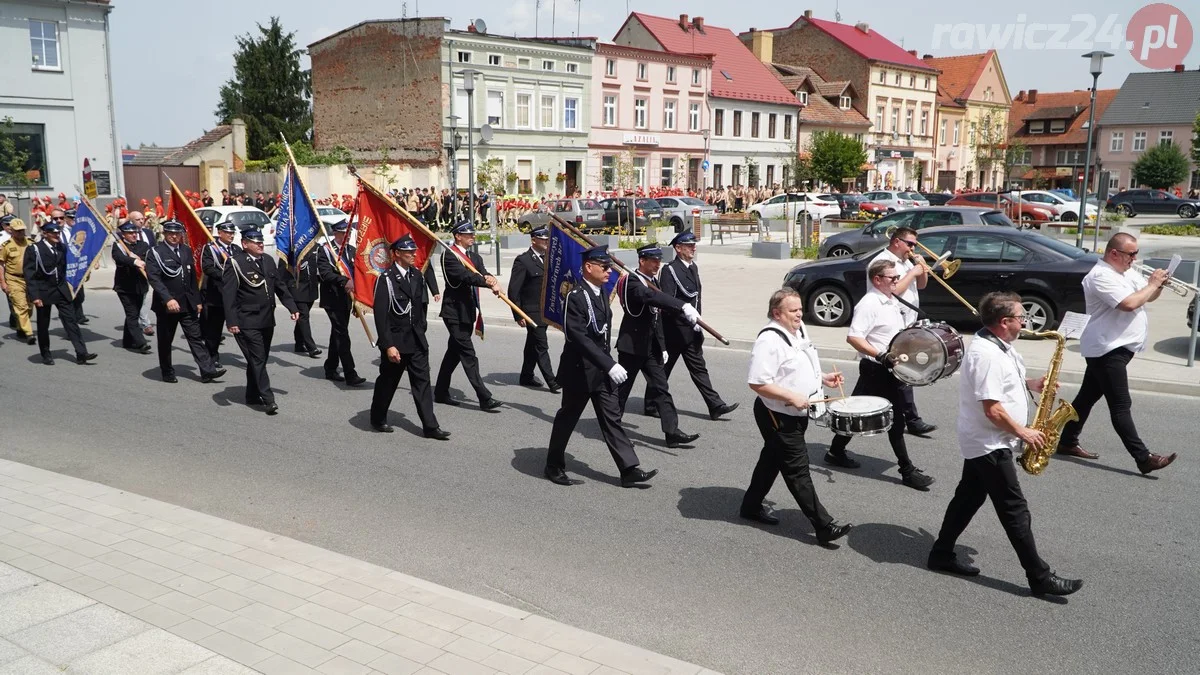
x: 656, y: 381
x: 460, y: 349
x: 993, y: 475
x: 78, y: 302
x: 131, y: 333
x: 1105, y: 376
x: 693, y: 357
x: 875, y: 380
x: 910, y: 403
x: 537, y: 352
x: 255, y: 344
x: 608, y: 414
x: 339, y: 345
x: 190, y: 323
x: 212, y: 325
x: 70, y: 324
x: 303, y: 330
x: 417, y: 365
x: 784, y: 452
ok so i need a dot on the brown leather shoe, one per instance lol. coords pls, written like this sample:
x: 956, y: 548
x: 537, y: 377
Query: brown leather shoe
x: 1156, y: 462
x: 1076, y: 451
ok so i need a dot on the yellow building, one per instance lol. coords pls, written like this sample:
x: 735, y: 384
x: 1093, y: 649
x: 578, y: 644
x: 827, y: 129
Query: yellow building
x: 972, y: 121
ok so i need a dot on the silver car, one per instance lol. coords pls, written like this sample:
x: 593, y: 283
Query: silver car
x: 584, y: 213
x: 894, y: 200
x: 678, y: 211
x: 874, y: 236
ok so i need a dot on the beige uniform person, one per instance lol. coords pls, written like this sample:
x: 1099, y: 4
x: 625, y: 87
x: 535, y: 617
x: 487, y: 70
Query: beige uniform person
x: 12, y: 277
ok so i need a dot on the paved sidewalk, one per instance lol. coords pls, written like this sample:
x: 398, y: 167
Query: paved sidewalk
x: 112, y: 582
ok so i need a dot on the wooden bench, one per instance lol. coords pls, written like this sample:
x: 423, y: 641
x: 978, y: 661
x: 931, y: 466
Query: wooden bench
x: 722, y: 226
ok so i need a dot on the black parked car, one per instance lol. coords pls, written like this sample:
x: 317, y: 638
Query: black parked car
x: 627, y: 214
x: 936, y: 198
x: 848, y: 203
x: 1046, y: 273
x: 1136, y: 202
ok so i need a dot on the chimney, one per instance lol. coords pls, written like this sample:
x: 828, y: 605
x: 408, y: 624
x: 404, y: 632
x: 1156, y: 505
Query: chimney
x: 1179, y: 68
x: 913, y: 52
x: 808, y: 14
x: 863, y: 26
x: 926, y: 56
x: 1020, y: 95
x: 762, y: 45
x: 683, y: 21
x: 471, y: 27
x: 698, y: 22
x: 1032, y: 96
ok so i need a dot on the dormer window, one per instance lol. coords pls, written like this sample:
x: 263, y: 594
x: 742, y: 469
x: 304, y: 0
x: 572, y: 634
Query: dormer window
x: 802, y: 96
x: 1037, y: 127
x: 844, y: 102
x: 1058, y: 126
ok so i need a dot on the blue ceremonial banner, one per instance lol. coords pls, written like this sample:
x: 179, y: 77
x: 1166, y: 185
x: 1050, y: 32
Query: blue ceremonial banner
x: 564, y: 263
x: 84, y: 242
x: 296, y: 224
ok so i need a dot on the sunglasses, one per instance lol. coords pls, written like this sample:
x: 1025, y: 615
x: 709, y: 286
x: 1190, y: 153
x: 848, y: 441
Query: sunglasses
x: 1131, y: 254
x: 892, y: 278
x: 910, y: 243
x: 59, y: 218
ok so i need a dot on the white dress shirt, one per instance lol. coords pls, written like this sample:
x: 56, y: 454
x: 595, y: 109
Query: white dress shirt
x: 877, y: 319
x: 990, y: 373
x: 1109, y: 328
x: 795, y: 367
x: 902, y: 267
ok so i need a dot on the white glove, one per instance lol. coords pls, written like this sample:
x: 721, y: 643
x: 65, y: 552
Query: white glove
x: 617, y: 374
x: 691, y: 314
x: 665, y: 357
x: 697, y: 328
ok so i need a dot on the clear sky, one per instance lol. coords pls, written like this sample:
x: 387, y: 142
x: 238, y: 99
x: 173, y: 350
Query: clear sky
x: 170, y: 57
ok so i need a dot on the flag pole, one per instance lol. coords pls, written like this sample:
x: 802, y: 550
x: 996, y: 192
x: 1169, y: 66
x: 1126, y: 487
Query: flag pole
x: 420, y: 227
x: 325, y: 236
x: 96, y: 260
x: 114, y: 233
x: 579, y: 234
x: 175, y: 190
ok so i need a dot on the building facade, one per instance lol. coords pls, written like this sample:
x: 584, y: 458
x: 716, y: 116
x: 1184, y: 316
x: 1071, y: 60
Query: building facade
x: 57, y: 91
x: 649, y: 114
x: 973, y: 106
x: 752, y: 117
x: 1150, y: 109
x: 1052, y: 126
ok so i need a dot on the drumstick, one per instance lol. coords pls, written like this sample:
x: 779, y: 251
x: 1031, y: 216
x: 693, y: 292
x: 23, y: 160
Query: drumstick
x: 840, y: 389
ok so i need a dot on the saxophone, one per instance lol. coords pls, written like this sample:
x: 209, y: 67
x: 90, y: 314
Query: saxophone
x: 1048, y: 420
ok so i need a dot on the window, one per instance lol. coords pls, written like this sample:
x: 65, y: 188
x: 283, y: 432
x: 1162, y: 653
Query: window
x: 754, y: 117
x: 844, y: 102
x: 694, y: 117
x: 942, y: 133
x: 771, y: 125
x: 1139, y: 141
x: 1058, y: 126
x: 525, y: 176
x: 695, y: 77
x: 571, y: 114
x: 787, y: 127
x: 608, y: 172
x: 926, y: 81
x: 1116, y: 142
x: 548, y: 65
x: 1070, y: 158
x: 1037, y: 127
x: 523, y: 64
x: 770, y: 175
x: 572, y: 67
x: 31, y: 139
x: 641, y: 71
x: 524, y: 119
x: 924, y: 122
x: 899, y: 76
x: 639, y: 113
x: 736, y: 170
x: 549, y: 105
x: 973, y: 127
x: 1026, y: 159
x: 957, y: 131
x: 802, y: 96
x: 879, y: 119
x: 882, y: 77
x: 461, y: 103
x: 912, y: 81
x: 610, y: 68
x: 717, y: 177
x: 895, y: 120
x: 495, y: 108
x: 669, y: 115
x: 737, y: 123
x: 719, y: 122
x: 493, y: 59
x: 43, y: 39
x: 464, y: 57
x: 668, y: 172
x: 671, y: 74
x: 908, y: 121
x: 1114, y: 181
x: 639, y: 174
x: 1166, y: 137
x: 979, y: 248
x: 610, y: 111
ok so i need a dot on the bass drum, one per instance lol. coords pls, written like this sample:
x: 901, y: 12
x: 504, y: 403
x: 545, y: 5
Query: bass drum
x: 925, y: 353
x: 859, y: 416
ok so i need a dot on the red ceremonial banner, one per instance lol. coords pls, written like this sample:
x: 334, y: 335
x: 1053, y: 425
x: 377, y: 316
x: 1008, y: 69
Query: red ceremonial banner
x: 379, y: 224
x: 197, y: 233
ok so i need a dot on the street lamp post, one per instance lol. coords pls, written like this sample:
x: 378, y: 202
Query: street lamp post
x: 704, y: 133
x: 469, y: 84
x: 1096, y: 67
x: 452, y: 155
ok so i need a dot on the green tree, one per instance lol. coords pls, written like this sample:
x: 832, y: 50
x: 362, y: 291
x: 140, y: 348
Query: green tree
x: 1196, y: 140
x: 799, y: 171
x: 16, y: 161
x: 1014, y: 158
x: 835, y: 157
x: 269, y: 90
x: 275, y: 155
x: 1161, y: 167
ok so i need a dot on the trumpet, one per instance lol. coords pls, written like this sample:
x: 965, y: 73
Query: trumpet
x: 1181, y: 288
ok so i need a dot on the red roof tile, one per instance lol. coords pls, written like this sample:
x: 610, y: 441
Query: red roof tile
x: 960, y: 73
x: 1076, y: 133
x: 748, y: 78
x: 820, y: 110
x: 870, y: 45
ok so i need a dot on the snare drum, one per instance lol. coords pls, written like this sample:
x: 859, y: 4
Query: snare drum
x: 860, y: 416
x: 925, y: 353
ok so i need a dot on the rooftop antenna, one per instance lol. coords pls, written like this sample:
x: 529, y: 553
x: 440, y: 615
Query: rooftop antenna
x: 578, y: 11
x: 837, y: 12
x: 537, y: 9
x: 404, y: 10
x: 553, y: 11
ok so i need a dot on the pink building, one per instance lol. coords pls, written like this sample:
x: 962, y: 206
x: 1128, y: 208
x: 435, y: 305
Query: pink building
x: 649, y: 119
x: 1150, y: 109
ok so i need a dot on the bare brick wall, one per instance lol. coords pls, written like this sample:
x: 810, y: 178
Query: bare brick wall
x: 812, y: 47
x: 378, y: 85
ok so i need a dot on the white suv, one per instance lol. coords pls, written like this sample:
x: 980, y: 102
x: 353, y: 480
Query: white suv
x: 821, y: 206
x: 244, y: 217
x: 1067, y: 210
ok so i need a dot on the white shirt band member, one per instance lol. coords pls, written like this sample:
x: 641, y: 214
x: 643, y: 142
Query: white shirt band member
x: 902, y: 268
x: 794, y: 367
x: 877, y: 319
x: 1109, y: 328
x: 990, y: 373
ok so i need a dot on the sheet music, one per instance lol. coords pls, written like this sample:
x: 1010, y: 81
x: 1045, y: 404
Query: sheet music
x: 1175, y: 260
x: 1073, y: 324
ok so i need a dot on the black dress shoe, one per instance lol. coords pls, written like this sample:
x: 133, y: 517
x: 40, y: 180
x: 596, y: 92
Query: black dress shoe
x: 920, y: 427
x: 650, y: 412
x: 554, y: 387
x: 833, y: 532
x: 679, y: 438
x: 531, y: 382
x: 1056, y: 585
x: 254, y: 400
x: 314, y: 353
x: 490, y: 404
x: 446, y: 400
x: 384, y: 428
x: 272, y: 408
x: 214, y: 375
x: 762, y: 515
x: 916, y: 480
x: 84, y: 358
x: 46, y: 360
x: 721, y: 410
x: 951, y: 566
x: 843, y: 460
x: 83, y: 321
x: 437, y: 434
x: 31, y: 340
x: 634, y: 476
x: 334, y: 377
x: 355, y: 381
x: 170, y: 379
x: 556, y: 476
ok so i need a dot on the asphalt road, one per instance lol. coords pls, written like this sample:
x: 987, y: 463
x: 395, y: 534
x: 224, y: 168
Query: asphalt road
x: 670, y: 568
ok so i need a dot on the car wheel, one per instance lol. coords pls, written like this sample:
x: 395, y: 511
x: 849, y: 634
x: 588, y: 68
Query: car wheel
x: 755, y: 216
x: 677, y: 224
x: 840, y: 251
x: 829, y: 306
x: 1125, y: 210
x: 1187, y: 211
x: 891, y: 210
x: 1039, y: 313
x: 1069, y: 217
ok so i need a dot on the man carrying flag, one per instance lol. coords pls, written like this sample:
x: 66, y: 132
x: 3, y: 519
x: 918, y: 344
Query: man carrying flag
x: 335, y: 264
x: 296, y: 231
x: 461, y: 314
x: 525, y: 285
x: 45, y: 272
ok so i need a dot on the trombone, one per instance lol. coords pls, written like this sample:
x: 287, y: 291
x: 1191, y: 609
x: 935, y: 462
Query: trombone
x: 949, y: 268
x: 1181, y: 288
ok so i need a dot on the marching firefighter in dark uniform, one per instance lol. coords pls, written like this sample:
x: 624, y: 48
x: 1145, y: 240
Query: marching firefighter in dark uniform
x: 251, y: 283
x: 177, y: 302
x: 525, y: 288
x: 460, y: 313
x: 587, y: 372
x: 401, y: 304
x: 68, y: 227
x: 131, y: 283
x: 45, y: 272
x: 213, y: 260
x: 681, y: 279
x: 305, y: 286
x: 337, y: 299
x: 641, y: 346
